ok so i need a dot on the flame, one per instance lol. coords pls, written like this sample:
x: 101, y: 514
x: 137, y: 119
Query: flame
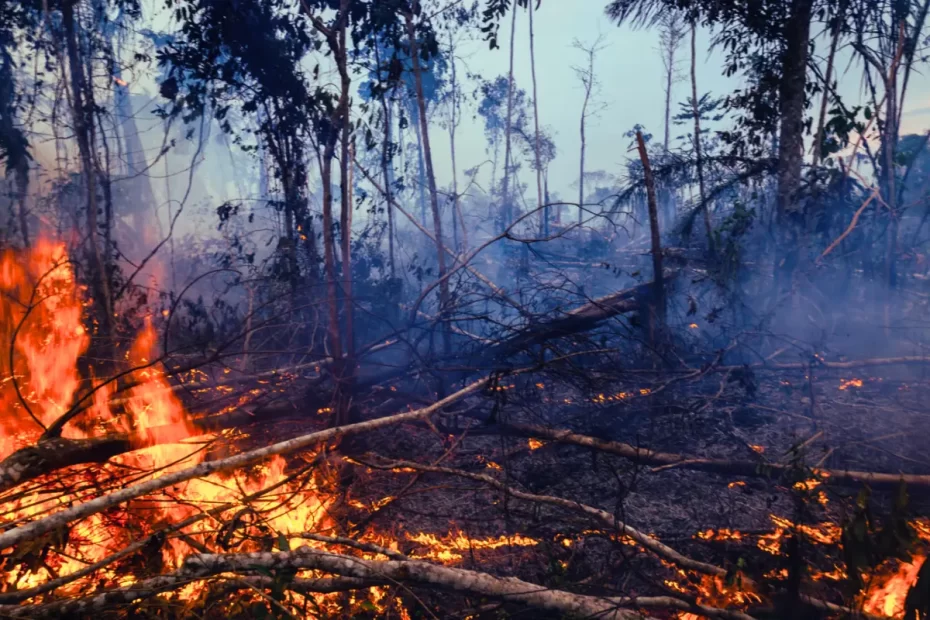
x: 888, y: 597
x: 42, y: 333
x: 42, y: 330
x: 845, y: 384
x: 451, y: 547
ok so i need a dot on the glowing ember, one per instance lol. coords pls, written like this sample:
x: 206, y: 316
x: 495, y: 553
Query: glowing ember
x: 535, y: 444
x: 450, y: 548
x: 845, y: 384
x: 719, y: 535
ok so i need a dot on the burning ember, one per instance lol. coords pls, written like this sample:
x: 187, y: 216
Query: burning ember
x: 845, y: 384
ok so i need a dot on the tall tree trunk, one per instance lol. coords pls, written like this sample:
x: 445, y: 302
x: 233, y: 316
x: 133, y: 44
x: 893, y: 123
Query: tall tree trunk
x: 346, y: 170
x: 544, y: 208
x: 84, y: 132
x: 453, y: 127
x: 444, y: 296
x: 889, y: 155
x: 507, y: 206
x: 345, y: 224
x: 385, y: 168
x: 791, y: 94
x: 494, y: 163
x: 669, y: 81
x: 421, y: 167
x: 657, y: 320
x: 584, y: 113
x: 708, y: 226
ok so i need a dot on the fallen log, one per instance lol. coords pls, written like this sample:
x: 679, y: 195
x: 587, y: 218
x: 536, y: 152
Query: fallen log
x: 361, y: 571
x: 755, y: 469
x: 580, y: 319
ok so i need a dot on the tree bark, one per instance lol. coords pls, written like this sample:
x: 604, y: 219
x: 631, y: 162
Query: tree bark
x: 83, y: 132
x: 792, y: 100
x: 444, y: 295
x: 385, y: 167
x: 507, y: 206
x: 453, y: 126
x: 543, y: 207
x: 657, y: 320
x: 589, y: 84
x: 708, y: 226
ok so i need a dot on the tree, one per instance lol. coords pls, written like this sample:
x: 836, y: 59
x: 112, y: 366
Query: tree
x: 770, y: 39
x: 589, y: 108
x: 696, y: 113
x: 672, y: 31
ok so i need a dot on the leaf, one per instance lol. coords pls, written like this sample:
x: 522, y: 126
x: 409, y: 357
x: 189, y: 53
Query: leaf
x: 283, y: 543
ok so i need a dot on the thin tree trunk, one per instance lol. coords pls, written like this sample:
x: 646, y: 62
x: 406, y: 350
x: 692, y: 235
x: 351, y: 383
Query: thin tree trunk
x: 827, y: 87
x: 444, y: 296
x: 669, y: 80
x: 584, y: 112
x: 386, y: 144
x: 83, y: 130
x: 340, y: 116
x: 290, y: 247
x: 507, y: 207
x: 708, y: 226
x: 421, y: 168
x: 453, y: 126
x: 889, y: 150
x: 346, y: 169
x: 657, y: 321
x: 347, y: 377
x: 544, y: 212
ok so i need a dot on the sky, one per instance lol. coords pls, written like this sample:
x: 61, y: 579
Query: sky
x: 631, y: 74
x: 629, y: 70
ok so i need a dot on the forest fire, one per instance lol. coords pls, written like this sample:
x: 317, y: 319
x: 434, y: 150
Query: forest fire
x: 304, y: 316
x: 43, y: 311
x: 258, y: 508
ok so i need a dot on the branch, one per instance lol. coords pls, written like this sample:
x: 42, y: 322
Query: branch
x: 754, y: 469
x: 422, y: 573
x: 35, y: 529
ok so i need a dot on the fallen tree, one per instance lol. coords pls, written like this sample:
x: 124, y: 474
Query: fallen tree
x: 575, y: 321
x: 754, y: 469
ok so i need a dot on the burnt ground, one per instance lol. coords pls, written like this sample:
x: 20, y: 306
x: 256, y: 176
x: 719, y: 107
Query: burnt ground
x: 760, y: 415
